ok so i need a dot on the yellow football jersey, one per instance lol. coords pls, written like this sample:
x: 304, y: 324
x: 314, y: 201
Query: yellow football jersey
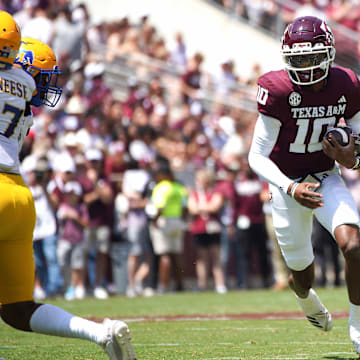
x: 16, y: 89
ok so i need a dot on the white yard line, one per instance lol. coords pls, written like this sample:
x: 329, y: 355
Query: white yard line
x: 186, y: 343
x: 238, y: 328
x: 216, y: 318
x: 285, y: 357
x: 340, y: 353
x: 268, y: 358
x: 251, y: 343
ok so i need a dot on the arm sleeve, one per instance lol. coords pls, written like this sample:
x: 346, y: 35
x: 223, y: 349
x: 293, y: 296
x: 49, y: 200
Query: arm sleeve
x: 265, y: 135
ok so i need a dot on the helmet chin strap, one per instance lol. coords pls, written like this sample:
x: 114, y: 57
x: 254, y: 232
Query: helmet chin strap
x: 295, y: 76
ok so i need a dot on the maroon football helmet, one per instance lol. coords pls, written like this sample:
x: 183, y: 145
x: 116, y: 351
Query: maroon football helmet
x: 308, y: 49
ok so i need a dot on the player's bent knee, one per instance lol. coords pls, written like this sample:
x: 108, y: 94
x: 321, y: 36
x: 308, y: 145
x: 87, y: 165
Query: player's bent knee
x: 349, y: 242
x: 299, y: 264
x: 18, y: 315
x: 351, y: 253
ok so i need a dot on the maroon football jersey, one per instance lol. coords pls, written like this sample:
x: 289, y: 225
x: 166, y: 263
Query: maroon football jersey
x: 305, y: 116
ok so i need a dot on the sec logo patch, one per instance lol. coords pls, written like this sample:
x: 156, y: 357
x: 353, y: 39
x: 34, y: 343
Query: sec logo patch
x: 294, y: 99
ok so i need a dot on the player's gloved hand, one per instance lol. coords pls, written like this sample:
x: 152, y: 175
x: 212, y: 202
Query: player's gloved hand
x: 344, y: 155
x: 305, y: 195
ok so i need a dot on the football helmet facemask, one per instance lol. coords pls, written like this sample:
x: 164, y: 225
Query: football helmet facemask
x: 38, y: 59
x: 308, y: 49
x: 9, y: 40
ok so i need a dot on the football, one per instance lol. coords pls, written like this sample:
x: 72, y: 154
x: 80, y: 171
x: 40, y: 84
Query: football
x: 340, y: 134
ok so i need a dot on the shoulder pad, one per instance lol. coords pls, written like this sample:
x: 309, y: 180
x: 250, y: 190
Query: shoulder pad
x: 273, y: 89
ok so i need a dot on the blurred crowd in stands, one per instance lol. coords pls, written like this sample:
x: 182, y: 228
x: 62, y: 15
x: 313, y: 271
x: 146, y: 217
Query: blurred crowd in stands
x: 140, y: 174
x: 274, y: 15
x: 265, y: 12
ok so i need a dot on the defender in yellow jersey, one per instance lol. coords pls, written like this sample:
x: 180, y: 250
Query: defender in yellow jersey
x: 17, y: 212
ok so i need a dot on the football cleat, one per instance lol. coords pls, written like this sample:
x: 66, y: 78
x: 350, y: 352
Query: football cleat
x: 315, y: 311
x: 354, y: 332
x: 118, y: 341
x: 321, y: 320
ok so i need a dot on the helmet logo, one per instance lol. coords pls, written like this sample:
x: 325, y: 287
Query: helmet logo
x: 26, y: 57
x: 295, y: 99
x: 329, y: 35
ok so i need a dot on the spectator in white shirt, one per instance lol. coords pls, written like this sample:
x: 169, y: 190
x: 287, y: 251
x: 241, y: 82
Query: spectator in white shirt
x: 39, y: 27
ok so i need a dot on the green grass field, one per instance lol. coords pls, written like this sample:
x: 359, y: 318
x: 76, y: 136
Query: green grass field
x: 199, y: 338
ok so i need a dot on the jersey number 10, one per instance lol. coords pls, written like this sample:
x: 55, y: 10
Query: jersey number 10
x: 299, y: 146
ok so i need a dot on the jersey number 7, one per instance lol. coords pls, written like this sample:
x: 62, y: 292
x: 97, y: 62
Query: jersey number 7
x: 17, y: 113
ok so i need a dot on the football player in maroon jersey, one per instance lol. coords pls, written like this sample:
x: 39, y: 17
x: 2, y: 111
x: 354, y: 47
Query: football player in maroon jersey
x: 296, y: 106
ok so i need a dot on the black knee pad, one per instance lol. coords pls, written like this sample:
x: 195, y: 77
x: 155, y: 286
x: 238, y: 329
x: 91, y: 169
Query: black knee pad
x: 18, y: 315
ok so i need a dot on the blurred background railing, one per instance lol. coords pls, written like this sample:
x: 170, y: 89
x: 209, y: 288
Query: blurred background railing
x: 126, y: 69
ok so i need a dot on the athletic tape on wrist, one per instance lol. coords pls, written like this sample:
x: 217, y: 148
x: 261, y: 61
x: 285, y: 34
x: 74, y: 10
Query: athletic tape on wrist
x: 292, y: 192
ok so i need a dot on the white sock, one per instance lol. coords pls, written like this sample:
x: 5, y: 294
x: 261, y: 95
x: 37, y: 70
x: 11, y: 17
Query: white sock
x: 52, y: 320
x: 354, y: 314
x: 311, y: 304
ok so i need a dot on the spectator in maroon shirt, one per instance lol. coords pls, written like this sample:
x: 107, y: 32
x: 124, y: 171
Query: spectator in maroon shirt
x: 98, y: 196
x: 99, y: 92
x: 64, y: 171
x: 73, y: 218
x: 115, y: 163
x: 249, y: 222
x: 134, y: 98
x: 191, y: 79
x: 225, y: 186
